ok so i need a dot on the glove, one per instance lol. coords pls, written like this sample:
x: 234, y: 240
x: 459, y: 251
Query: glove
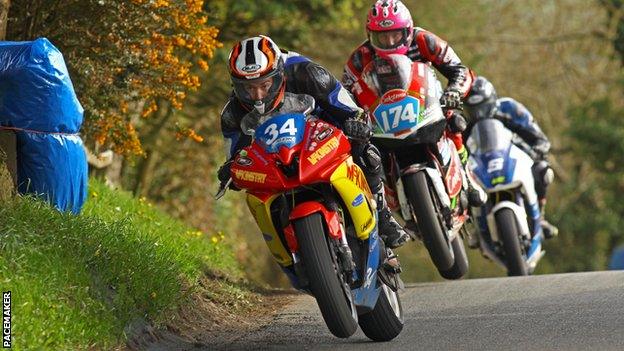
x: 224, y: 174
x: 357, y: 130
x: 541, y: 148
x: 456, y: 121
x: 451, y: 99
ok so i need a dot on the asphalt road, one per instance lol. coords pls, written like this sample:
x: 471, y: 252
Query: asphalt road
x: 580, y: 311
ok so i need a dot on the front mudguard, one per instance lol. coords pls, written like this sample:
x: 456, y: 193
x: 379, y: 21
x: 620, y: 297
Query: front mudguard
x: 521, y: 219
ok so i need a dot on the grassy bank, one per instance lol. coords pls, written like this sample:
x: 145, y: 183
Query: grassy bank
x: 77, y: 282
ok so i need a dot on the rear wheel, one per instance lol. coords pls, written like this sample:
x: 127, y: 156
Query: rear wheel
x: 385, y: 321
x: 510, y: 236
x: 428, y: 221
x: 326, y: 286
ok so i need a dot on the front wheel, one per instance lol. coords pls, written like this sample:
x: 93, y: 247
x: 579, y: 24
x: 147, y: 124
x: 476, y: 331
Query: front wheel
x: 429, y: 221
x: 326, y: 286
x: 510, y: 236
x: 460, y: 266
x: 385, y: 321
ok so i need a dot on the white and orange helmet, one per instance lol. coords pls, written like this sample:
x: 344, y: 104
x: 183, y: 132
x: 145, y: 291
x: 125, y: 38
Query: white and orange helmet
x: 255, y: 59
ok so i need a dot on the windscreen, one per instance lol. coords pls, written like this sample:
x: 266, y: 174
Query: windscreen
x: 489, y: 135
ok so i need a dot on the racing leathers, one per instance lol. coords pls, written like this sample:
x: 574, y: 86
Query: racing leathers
x: 332, y: 103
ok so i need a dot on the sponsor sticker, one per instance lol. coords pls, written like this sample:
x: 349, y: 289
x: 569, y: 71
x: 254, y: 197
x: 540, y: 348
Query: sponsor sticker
x: 369, y: 278
x: 321, y: 152
x: 355, y: 174
x: 358, y: 201
x: 393, y: 96
x: 249, y: 176
x: 251, y: 68
x: 367, y: 224
x: 244, y: 161
x: 386, y: 23
x: 324, y: 134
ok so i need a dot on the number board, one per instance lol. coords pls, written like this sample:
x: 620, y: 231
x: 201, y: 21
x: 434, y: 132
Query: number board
x: 398, y: 116
x: 282, y: 130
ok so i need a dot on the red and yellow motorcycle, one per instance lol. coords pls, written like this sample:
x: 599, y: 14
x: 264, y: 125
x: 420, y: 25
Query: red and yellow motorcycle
x: 317, y: 215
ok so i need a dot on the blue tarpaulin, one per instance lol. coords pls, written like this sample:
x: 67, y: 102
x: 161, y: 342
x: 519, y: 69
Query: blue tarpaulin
x: 37, y: 100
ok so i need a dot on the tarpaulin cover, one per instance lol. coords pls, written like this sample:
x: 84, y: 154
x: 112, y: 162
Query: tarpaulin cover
x: 36, y: 92
x: 37, y: 99
x: 54, y: 167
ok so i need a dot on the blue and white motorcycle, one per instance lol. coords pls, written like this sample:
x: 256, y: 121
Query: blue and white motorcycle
x: 509, y: 230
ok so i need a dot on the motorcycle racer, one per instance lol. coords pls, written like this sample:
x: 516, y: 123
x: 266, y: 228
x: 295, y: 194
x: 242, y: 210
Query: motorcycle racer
x: 390, y: 31
x: 267, y: 80
x: 483, y: 102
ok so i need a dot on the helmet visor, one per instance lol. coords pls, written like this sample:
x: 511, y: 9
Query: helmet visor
x: 389, y: 39
x: 262, y: 90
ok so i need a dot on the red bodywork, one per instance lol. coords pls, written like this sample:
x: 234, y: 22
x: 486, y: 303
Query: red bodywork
x: 368, y: 99
x: 324, y: 147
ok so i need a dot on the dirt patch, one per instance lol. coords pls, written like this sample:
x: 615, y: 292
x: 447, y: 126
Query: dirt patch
x: 218, y: 313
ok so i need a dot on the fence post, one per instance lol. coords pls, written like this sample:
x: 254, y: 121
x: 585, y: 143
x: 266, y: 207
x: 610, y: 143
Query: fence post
x: 8, y: 164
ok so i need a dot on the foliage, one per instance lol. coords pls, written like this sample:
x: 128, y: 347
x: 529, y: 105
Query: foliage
x: 125, y: 57
x: 78, y: 281
x: 596, y: 126
x: 615, y: 27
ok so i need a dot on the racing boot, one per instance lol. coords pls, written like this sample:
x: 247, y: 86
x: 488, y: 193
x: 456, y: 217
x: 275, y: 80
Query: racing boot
x: 550, y: 230
x: 476, y: 195
x: 390, y: 230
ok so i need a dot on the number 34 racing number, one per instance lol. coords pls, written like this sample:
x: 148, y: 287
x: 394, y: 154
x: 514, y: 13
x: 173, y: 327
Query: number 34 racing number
x: 271, y: 132
x: 283, y: 130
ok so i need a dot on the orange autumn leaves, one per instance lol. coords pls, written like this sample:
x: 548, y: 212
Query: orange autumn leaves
x: 167, y: 43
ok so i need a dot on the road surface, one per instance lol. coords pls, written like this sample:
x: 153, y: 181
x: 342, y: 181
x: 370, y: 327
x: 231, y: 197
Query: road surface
x: 579, y: 311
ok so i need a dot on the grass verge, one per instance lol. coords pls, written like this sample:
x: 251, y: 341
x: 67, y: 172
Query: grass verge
x: 78, y: 282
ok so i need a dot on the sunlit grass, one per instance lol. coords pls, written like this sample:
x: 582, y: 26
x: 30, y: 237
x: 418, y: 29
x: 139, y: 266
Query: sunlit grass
x: 77, y: 281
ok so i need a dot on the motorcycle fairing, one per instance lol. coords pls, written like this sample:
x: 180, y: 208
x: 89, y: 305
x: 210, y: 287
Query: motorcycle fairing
x: 261, y: 211
x: 319, y: 151
x: 325, y: 149
x: 366, y: 296
x: 450, y: 166
x: 349, y: 180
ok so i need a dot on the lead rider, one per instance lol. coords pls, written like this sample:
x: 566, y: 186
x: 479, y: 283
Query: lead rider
x: 267, y: 80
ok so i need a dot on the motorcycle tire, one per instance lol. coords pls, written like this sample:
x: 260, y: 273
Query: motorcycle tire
x: 509, y: 234
x: 326, y: 286
x: 460, y: 266
x: 417, y: 188
x: 385, y: 321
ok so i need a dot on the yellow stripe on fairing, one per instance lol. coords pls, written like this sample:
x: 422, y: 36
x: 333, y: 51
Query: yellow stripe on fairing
x: 261, y: 212
x: 350, y: 182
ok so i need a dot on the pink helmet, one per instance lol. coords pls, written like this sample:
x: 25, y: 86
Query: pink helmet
x: 390, y: 27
